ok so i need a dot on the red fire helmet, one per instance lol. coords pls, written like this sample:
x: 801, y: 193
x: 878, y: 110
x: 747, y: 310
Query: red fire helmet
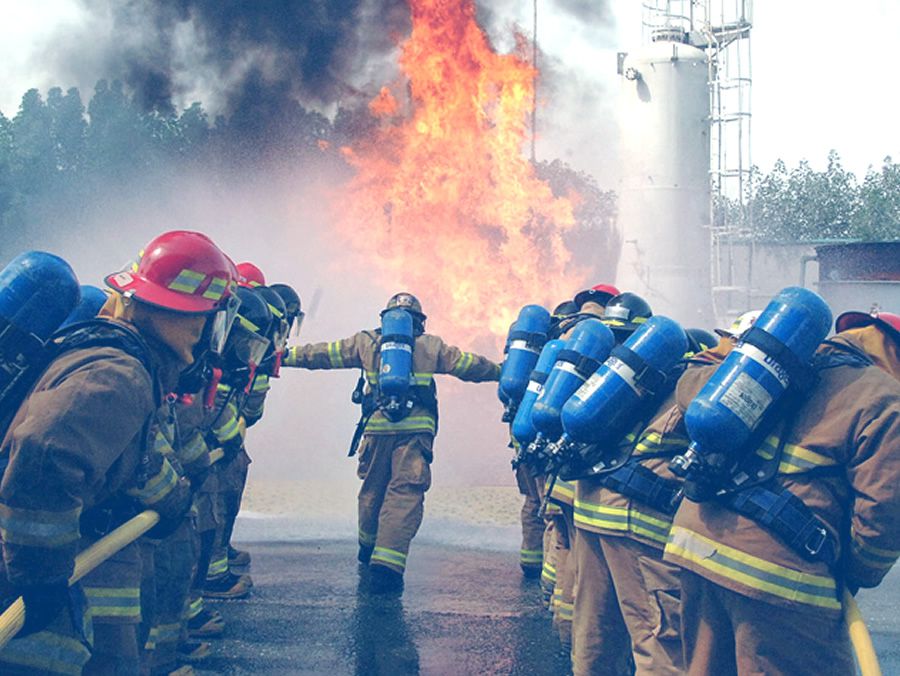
x: 250, y: 276
x: 886, y: 320
x: 599, y: 294
x: 181, y: 270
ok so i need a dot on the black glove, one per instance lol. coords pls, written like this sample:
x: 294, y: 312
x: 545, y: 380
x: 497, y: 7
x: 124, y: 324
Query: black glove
x: 173, y: 511
x: 164, y: 527
x: 231, y: 448
x: 43, y: 602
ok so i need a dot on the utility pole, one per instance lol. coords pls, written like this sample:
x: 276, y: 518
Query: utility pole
x: 534, y: 65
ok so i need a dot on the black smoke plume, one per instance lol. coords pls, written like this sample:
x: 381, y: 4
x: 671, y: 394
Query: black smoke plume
x: 311, y: 51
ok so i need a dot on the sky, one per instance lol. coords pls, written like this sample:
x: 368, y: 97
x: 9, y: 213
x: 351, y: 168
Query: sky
x: 822, y: 72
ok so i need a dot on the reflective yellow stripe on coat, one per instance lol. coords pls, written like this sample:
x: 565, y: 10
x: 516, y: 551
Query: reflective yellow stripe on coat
x: 699, y: 553
x: 624, y: 519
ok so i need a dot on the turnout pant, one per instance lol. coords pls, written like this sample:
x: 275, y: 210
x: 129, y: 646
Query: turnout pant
x: 395, y: 472
x: 648, y: 591
x: 113, y: 592
x: 563, y: 604
x: 600, y: 642
x: 531, y: 553
x: 175, y: 561
x: 726, y: 633
x: 232, y: 481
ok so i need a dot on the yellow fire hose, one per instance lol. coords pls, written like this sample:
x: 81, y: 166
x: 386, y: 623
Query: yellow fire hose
x: 860, y: 638
x: 13, y: 619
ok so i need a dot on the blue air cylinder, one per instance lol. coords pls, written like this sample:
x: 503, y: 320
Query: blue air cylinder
x: 523, y: 430
x: 587, y: 347
x: 395, y: 375
x: 526, y: 337
x: 605, y: 405
x: 758, y: 371
x: 501, y: 394
x: 92, y: 300
x: 37, y: 292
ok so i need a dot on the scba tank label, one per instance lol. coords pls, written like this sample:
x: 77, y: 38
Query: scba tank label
x: 590, y: 386
x: 569, y: 367
x: 747, y: 399
x: 396, y: 346
x: 523, y: 345
x: 536, y: 387
x: 767, y: 362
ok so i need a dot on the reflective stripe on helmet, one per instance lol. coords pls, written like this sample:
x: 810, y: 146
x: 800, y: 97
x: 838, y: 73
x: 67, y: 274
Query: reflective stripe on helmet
x: 217, y: 288
x: 187, y: 281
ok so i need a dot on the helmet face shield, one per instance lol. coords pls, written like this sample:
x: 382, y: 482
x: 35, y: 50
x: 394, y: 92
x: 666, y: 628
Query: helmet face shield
x: 221, y: 322
x: 297, y: 323
x: 249, y: 348
x: 281, y: 335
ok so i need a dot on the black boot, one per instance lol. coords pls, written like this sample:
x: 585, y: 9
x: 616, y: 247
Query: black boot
x: 365, y: 553
x: 385, y: 580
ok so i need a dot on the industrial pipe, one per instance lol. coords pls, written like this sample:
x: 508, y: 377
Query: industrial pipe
x: 13, y: 618
x: 860, y: 637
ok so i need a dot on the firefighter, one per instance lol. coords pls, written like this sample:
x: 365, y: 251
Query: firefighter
x: 238, y: 392
x: 586, y: 304
x: 751, y: 602
x: 77, y: 452
x: 250, y: 276
x: 564, y: 316
x: 625, y: 524
x: 170, y: 561
x: 600, y: 639
x: 533, y: 559
x: 394, y: 457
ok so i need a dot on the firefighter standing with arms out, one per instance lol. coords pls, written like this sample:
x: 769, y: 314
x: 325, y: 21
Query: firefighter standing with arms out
x: 767, y: 598
x: 77, y: 449
x: 395, y: 452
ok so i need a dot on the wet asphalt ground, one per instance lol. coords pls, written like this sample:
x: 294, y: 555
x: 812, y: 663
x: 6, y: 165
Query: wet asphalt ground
x: 464, y: 611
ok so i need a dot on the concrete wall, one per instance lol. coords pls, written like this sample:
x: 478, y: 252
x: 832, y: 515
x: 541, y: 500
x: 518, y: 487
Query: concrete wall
x: 761, y: 270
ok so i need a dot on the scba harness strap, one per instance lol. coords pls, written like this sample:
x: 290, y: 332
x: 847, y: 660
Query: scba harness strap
x: 637, y: 482
x: 528, y: 340
x: 789, y: 518
x: 584, y: 366
x: 539, y: 377
x: 801, y: 376
x: 776, y: 507
x: 646, y: 376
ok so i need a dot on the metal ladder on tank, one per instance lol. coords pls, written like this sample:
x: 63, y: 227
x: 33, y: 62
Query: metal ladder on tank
x: 727, y: 30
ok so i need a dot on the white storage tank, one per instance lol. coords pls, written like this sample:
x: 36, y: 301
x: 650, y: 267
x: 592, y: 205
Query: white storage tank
x: 664, y: 197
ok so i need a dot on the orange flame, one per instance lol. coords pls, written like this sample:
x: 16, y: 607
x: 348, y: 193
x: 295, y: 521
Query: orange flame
x: 444, y: 203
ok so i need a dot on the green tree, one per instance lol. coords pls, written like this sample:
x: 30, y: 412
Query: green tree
x: 595, y: 241
x: 877, y: 216
x: 34, y: 154
x: 803, y: 204
x: 68, y: 128
x: 116, y: 135
x: 7, y: 189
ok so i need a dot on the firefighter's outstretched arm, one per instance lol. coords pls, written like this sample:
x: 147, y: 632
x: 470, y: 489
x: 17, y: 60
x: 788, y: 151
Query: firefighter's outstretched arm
x: 466, y: 365
x: 337, y: 354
